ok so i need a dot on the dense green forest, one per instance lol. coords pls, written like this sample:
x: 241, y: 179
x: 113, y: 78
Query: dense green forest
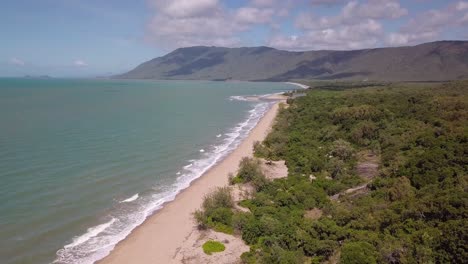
x: 414, y: 210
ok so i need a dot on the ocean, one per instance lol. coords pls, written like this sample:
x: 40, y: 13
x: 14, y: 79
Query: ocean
x: 83, y: 162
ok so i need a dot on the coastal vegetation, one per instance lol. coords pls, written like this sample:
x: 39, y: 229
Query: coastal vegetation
x: 412, y: 209
x: 216, y: 211
x: 250, y: 172
x: 210, y: 247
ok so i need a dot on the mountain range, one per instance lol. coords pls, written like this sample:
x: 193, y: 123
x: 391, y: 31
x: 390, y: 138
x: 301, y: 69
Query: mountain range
x: 434, y: 61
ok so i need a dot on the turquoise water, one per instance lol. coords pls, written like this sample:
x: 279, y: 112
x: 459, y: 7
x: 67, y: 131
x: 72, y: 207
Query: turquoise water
x: 83, y: 162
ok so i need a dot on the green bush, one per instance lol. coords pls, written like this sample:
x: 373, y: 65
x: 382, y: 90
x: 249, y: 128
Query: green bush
x: 342, y: 149
x: 221, y: 197
x: 211, y: 246
x: 358, y: 253
x: 218, y: 227
x: 250, y: 171
x: 261, y: 150
x: 216, y: 211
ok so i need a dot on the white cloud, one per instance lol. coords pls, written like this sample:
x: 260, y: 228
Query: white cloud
x: 462, y: 6
x: 16, y: 61
x: 186, y: 8
x: 401, y: 39
x: 464, y: 19
x: 268, y: 3
x: 80, y: 63
x: 353, y: 13
x: 179, y: 23
x: 430, y: 25
x: 356, y: 26
x: 326, y: 2
x: 363, y: 35
x: 253, y: 15
x: 375, y: 9
x: 182, y: 32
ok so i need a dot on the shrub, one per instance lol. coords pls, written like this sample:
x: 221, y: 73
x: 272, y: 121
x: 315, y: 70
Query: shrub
x: 222, y: 215
x: 211, y: 247
x: 260, y: 150
x: 358, y: 253
x: 201, y: 219
x: 250, y: 171
x: 364, y: 132
x: 216, y: 211
x: 218, y: 227
x: 342, y: 149
x: 240, y: 220
x: 221, y: 197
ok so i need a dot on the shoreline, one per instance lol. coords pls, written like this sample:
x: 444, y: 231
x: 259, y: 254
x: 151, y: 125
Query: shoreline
x: 159, y: 237
x: 303, y: 86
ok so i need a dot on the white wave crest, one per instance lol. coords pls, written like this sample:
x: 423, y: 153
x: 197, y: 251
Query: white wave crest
x: 131, y: 199
x: 92, y: 232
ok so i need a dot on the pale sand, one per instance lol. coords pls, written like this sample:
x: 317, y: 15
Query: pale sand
x: 191, y: 251
x: 303, y: 86
x: 161, y: 236
x: 274, y: 169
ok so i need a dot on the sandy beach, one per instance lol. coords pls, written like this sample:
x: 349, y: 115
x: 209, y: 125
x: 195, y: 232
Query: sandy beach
x: 161, y: 236
x: 303, y: 86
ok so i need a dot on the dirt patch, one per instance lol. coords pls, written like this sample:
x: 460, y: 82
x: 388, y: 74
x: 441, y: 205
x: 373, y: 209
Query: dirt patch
x: 368, y: 165
x: 274, y: 169
x: 367, y: 168
x: 241, y: 192
x: 313, y: 214
x: 191, y: 250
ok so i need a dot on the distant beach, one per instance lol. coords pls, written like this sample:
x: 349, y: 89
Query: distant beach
x: 303, y: 86
x: 159, y: 238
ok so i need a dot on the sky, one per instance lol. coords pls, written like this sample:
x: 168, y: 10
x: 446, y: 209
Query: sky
x: 91, y: 38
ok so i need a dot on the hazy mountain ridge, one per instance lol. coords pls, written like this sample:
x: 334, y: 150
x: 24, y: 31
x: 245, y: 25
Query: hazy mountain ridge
x: 435, y: 61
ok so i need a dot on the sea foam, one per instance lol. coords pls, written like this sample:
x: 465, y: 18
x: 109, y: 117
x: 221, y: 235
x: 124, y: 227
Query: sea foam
x: 131, y: 199
x: 98, y: 241
x: 92, y: 232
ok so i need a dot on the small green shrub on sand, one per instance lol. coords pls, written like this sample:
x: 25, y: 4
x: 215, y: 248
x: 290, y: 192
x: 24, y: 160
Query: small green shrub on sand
x: 212, y: 247
x: 250, y: 171
x: 216, y: 211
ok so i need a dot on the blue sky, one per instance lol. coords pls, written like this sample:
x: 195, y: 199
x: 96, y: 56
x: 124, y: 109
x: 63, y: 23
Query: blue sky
x: 87, y: 38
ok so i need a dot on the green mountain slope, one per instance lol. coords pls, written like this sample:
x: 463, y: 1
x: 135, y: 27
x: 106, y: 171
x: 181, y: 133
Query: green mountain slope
x: 435, y: 61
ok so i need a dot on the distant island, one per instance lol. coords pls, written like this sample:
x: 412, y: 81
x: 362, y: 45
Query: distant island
x: 435, y: 61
